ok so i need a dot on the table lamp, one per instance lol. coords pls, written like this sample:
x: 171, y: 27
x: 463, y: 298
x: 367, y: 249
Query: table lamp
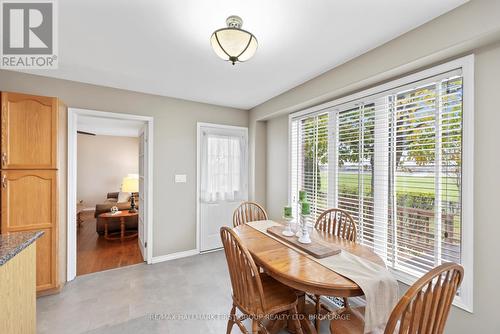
x: 130, y: 184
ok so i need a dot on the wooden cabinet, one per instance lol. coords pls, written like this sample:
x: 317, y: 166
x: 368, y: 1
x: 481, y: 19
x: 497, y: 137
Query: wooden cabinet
x: 29, y: 177
x: 28, y: 199
x: 17, y: 293
x: 29, y: 131
x: 29, y: 203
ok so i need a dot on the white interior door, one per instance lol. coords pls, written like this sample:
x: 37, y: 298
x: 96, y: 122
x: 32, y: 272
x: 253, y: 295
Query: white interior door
x: 143, y: 211
x: 222, y: 179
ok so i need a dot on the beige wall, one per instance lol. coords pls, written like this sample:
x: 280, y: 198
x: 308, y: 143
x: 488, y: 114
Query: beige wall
x: 486, y: 199
x: 257, y: 135
x: 277, y: 166
x: 102, y: 162
x: 472, y: 28
x: 175, y: 121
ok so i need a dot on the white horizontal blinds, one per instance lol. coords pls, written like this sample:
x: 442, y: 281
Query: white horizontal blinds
x: 426, y: 224
x: 415, y: 179
x: 396, y: 159
x: 362, y: 169
x: 295, y: 167
x: 348, y: 152
x: 451, y: 168
x: 309, y: 141
x: 366, y: 186
x: 355, y: 130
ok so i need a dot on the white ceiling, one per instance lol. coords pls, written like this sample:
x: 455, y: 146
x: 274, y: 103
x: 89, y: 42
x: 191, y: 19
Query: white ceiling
x: 109, y: 126
x: 162, y: 46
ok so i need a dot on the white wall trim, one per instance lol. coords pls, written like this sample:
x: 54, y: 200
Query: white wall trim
x: 73, y: 114
x: 107, y: 114
x: 150, y: 195
x: 199, y: 125
x: 71, y: 197
x: 466, y: 300
x: 212, y: 250
x: 173, y: 256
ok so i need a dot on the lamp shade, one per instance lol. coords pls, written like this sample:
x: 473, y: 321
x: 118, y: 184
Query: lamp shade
x: 130, y: 183
x: 233, y: 43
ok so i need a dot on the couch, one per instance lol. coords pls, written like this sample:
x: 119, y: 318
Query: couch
x: 131, y: 223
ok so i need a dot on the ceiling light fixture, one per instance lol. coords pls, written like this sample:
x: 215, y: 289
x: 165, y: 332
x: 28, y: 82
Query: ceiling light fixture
x: 233, y: 43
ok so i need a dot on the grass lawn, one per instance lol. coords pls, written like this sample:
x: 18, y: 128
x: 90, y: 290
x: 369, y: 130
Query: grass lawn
x: 424, y: 185
x: 404, y: 183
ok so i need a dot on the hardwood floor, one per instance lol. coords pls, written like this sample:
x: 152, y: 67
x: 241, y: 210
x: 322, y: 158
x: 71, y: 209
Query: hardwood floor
x: 94, y: 253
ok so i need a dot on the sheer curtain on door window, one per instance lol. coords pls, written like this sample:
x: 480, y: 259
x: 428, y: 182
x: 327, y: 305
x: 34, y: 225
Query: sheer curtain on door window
x: 224, y: 176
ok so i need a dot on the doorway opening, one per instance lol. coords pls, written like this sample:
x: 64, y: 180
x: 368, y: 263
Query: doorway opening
x: 109, y: 191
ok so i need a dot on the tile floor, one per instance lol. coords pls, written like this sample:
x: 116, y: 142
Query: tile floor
x: 122, y: 300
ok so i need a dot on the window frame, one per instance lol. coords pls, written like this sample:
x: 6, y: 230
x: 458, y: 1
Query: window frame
x: 466, y: 65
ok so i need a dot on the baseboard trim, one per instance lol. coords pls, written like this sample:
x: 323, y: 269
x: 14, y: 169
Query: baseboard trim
x: 51, y: 291
x: 212, y: 250
x: 173, y: 256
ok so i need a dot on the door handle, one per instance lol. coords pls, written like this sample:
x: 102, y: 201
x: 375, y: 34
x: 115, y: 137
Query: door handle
x: 4, y: 181
x: 4, y: 159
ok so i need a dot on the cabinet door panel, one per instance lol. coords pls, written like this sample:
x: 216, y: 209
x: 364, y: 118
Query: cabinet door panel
x: 29, y: 202
x: 29, y: 131
x: 44, y: 261
x: 28, y: 199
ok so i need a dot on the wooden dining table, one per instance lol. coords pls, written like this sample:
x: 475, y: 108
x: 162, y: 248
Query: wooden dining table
x: 297, y: 270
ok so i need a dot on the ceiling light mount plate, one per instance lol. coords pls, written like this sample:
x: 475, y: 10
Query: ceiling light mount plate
x: 234, y: 21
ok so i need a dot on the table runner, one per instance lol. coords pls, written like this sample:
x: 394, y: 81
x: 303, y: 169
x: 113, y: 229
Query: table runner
x: 378, y: 285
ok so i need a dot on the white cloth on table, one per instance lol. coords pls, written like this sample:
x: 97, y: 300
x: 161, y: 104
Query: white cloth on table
x: 379, y: 286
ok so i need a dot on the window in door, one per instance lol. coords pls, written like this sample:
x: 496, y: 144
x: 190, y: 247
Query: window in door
x: 222, y: 179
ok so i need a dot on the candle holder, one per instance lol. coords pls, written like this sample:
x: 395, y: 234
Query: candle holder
x: 298, y: 227
x: 304, y: 235
x: 288, y: 231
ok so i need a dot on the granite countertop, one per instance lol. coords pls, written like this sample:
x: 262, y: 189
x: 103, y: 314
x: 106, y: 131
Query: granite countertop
x: 13, y: 243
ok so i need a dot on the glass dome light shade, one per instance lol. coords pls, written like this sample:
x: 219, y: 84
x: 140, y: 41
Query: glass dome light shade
x: 233, y: 44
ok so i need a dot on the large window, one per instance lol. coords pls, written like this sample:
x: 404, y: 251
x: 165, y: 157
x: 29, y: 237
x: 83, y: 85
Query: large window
x: 393, y: 157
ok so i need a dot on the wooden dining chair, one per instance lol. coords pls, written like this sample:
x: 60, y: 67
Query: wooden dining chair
x: 339, y: 223
x: 423, y: 309
x: 257, y: 295
x: 248, y: 212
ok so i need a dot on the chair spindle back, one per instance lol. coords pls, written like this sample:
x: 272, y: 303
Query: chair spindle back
x: 337, y: 222
x: 248, y: 212
x: 248, y: 293
x: 424, y: 308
